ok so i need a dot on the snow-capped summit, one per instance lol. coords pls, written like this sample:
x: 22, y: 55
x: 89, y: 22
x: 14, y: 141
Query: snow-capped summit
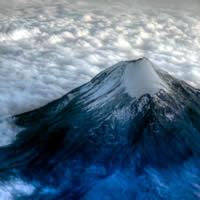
x: 132, y: 78
x: 140, y: 77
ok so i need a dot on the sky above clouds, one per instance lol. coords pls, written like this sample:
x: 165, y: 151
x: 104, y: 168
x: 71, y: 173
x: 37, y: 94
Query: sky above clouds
x: 48, y: 48
x: 192, y: 5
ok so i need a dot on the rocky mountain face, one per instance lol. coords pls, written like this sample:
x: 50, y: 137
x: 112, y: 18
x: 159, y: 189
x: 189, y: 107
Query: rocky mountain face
x: 132, y: 132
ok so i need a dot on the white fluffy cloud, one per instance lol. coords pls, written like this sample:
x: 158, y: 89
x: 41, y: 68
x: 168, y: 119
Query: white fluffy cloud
x: 12, y: 189
x: 45, y: 52
x: 8, y: 132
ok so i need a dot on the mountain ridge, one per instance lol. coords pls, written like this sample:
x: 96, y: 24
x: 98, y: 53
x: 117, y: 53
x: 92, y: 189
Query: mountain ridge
x: 119, y: 71
x: 100, y: 126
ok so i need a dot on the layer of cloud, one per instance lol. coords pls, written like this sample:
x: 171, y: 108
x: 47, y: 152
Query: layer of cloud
x: 15, y: 188
x: 8, y: 131
x: 178, y: 5
x: 46, y: 52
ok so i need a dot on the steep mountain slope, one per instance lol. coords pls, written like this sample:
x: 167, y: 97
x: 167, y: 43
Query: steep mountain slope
x: 129, y: 128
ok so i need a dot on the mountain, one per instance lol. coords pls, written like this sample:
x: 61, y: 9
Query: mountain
x: 132, y: 132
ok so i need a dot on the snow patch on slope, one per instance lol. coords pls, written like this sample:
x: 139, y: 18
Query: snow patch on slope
x: 141, y: 78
